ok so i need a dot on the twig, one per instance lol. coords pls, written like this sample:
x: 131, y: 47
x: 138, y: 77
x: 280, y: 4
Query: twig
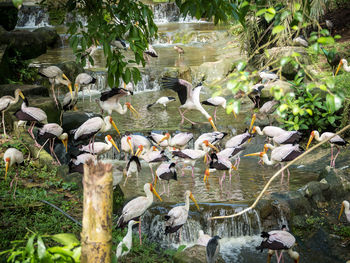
x: 278, y: 173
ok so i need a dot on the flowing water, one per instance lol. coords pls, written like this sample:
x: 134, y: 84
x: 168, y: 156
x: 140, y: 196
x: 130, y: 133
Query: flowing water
x: 240, y: 235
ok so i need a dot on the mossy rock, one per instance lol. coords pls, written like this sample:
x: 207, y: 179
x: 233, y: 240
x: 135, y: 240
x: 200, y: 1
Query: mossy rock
x: 50, y: 36
x: 8, y: 15
x: 195, y: 254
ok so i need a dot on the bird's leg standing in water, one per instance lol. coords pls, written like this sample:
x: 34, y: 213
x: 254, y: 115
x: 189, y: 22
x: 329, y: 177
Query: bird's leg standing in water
x: 184, y: 118
x: 150, y: 166
x: 3, y: 124
x: 98, y: 103
x: 331, y: 156
x: 37, y: 156
x: 168, y: 188
x: 335, y: 157
x: 288, y: 174
x: 53, y: 94
x: 192, y: 171
x: 282, y: 173
x: 140, y: 231
x: 215, y: 113
x: 164, y: 191
x: 222, y: 179
x: 229, y: 173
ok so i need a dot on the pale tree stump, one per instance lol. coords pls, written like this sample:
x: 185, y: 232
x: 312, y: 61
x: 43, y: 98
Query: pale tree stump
x: 96, y: 236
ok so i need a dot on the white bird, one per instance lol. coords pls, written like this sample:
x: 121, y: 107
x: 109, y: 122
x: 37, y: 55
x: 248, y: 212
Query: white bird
x: 152, y: 157
x: 165, y: 171
x: 33, y: 115
x: 163, y: 101
x: 280, y: 154
x: 179, y: 50
x: 189, y: 156
x: 215, y: 102
x: 84, y: 80
x: 133, y: 167
x: 131, y: 142
x: 109, y: 101
x: 269, y: 131
x: 91, y: 127
x: 189, y: 97
x: 49, y: 132
x: 5, y: 104
x: 345, y: 206
x: 56, y: 76
x: 211, y: 137
x: 267, y: 76
x: 156, y: 138
x: 213, y: 249
x: 77, y: 164
x: 301, y: 41
x: 90, y: 51
x: 149, y: 52
x: 12, y: 157
x: 100, y: 147
x: 343, y: 62
x: 336, y: 141
x: 278, y: 240
x: 134, y: 209
x: 232, y: 153
x: 177, y: 216
x: 203, y: 239
x: 127, y: 241
x: 287, y: 137
x: 238, y: 140
x: 179, y: 140
x: 267, y: 108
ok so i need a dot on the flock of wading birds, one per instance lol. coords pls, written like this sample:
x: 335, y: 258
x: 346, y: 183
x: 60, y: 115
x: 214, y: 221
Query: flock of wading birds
x: 155, y: 148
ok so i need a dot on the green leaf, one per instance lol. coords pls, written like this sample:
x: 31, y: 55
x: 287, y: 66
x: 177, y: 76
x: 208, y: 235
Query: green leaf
x: 269, y: 17
x: 295, y: 27
x: 66, y: 239
x: 17, y: 3
x: 337, y: 37
x: 297, y: 6
x: 298, y: 16
x: 277, y: 29
x: 127, y: 75
x: 309, y: 111
x: 283, y: 107
x: 295, y: 109
x: 284, y: 61
x: 323, y: 87
x: 30, y: 245
x: 331, y: 119
x: 324, y: 32
x: 41, y: 248
x: 180, y: 248
x: 326, y: 40
x: 271, y: 10
x: 236, y: 106
x: 261, y: 12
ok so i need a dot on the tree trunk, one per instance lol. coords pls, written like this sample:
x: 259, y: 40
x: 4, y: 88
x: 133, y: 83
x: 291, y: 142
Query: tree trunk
x: 96, y: 236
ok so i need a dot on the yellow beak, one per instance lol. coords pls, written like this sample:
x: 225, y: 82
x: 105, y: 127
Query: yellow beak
x: 339, y: 66
x: 114, y: 144
x: 133, y: 111
x: 132, y: 150
x: 205, y: 158
x: 252, y: 122
x: 212, y: 123
x: 21, y: 94
x: 213, y: 147
x: 65, y: 77
x: 234, y: 114
x: 234, y: 167
x: 206, y: 175
x: 155, y: 180
x: 115, y: 127
x: 70, y: 90
x: 341, y: 211
x: 156, y: 194
x: 137, y: 222
x: 310, y: 140
x: 194, y: 200
x: 76, y: 86
x: 166, y: 137
x: 253, y: 154
x: 6, y: 169
x: 65, y: 144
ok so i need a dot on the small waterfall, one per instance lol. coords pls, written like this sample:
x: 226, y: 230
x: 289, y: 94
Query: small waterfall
x: 246, y: 225
x: 190, y: 37
x: 165, y: 13
x: 32, y: 16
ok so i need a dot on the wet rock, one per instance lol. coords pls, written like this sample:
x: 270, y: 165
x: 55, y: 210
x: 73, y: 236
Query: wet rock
x: 185, y: 73
x: 337, y: 181
x: 195, y: 254
x: 28, y: 90
x: 284, y: 85
x: 50, y: 36
x: 296, y: 202
x: 71, y: 69
x: 215, y: 71
x: 265, y: 208
x: 289, y: 70
x: 298, y: 222
x: 314, y: 190
x: 8, y: 15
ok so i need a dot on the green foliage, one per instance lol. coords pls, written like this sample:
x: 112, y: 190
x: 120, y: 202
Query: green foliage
x: 34, y: 249
x: 343, y: 231
x: 315, y: 222
x: 22, y: 73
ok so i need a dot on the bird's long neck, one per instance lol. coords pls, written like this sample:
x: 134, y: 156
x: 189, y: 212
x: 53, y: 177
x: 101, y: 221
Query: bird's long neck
x: 187, y: 203
x: 121, y: 109
x: 267, y: 161
x: 345, y: 66
x: 317, y: 136
x: 293, y: 254
x: 258, y: 130
x: 128, y: 236
x: 270, y: 146
x: 149, y: 196
x: 16, y: 99
x: 106, y: 126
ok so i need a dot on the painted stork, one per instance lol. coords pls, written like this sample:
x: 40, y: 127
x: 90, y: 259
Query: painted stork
x: 149, y: 52
x: 268, y: 108
x: 343, y: 62
x: 212, y: 137
x: 134, y: 209
x: 203, y: 239
x: 239, y: 140
x: 133, y: 167
x: 179, y: 140
x: 278, y: 240
x: 231, y: 153
x: 91, y: 127
x: 213, y: 249
x: 100, y: 147
x: 269, y: 131
x: 84, y: 80
x: 152, y: 157
x: 280, y: 154
x: 69, y: 101
x: 162, y: 101
x: 127, y: 241
x: 119, y: 43
x: 12, y: 157
x: 5, y: 104
x: 300, y: 40
x: 189, y: 97
x: 165, y: 171
x: 177, y: 216
x: 76, y: 164
x: 156, y: 137
x: 345, y: 207
x: 33, y: 115
x: 215, y: 102
x: 267, y: 76
x: 49, y: 132
x: 109, y: 101
x: 255, y: 94
x: 287, y: 137
x: 56, y: 76
x: 131, y: 142
x: 219, y: 163
x: 189, y: 156
x: 179, y: 50
x: 336, y: 141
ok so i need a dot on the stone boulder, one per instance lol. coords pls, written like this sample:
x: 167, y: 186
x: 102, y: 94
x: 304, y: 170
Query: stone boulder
x: 284, y: 85
x: 50, y: 36
x: 28, y: 90
x: 216, y: 71
x: 71, y: 69
x: 195, y: 254
x: 8, y: 15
